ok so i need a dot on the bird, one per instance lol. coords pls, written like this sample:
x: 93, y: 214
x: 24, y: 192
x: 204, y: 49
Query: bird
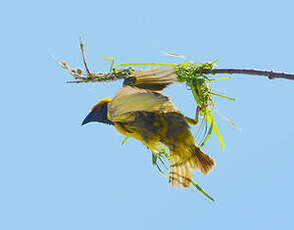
x: 140, y: 111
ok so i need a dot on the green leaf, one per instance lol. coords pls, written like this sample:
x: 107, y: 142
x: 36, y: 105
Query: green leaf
x: 201, y: 190
x: 219, y: 79
x: 219, y: 95
x: 110, y: 58
x: 154, y: 158
x: 219, y: 137
x: 211, y: 121
x: 112, y: 63
x: 196, y: 96
x: 209, y: 132
x: 124, y: 141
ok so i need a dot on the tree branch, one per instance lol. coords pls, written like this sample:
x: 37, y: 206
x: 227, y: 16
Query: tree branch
x: 266, y: 73
x: 124, y: 73
x: 98, y: 77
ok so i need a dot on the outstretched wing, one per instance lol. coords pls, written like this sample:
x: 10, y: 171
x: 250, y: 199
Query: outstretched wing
x: 129, y: 100
x: 155, y: 79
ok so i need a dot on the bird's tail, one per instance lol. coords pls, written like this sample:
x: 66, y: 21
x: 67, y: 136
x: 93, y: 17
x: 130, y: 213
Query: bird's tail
x: 201, y: 161
x: 180, y: 173
x: 181, y: 169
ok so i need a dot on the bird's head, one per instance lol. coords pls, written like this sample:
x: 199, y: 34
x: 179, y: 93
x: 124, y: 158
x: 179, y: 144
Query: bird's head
x: 99, y: 113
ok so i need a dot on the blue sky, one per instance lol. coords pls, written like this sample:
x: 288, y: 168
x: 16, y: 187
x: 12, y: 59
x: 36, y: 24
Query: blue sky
x: 55, y: 174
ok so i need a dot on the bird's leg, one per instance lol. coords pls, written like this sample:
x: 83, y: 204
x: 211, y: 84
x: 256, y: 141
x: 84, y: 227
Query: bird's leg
x: 195, y: 121
x: 191, y: 121
x: 198, y: 110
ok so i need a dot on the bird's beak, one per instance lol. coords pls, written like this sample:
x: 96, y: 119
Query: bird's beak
x: 89, y: 118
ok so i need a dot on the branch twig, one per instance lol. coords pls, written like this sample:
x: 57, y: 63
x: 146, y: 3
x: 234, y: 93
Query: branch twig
x: 84, y: 58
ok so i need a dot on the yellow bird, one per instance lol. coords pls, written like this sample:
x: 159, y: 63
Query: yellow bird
x: 138, y: 110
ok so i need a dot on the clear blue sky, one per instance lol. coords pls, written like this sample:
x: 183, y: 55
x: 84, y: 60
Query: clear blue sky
x: 55, y: 174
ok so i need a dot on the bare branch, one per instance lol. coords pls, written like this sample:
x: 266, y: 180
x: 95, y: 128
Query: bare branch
x: 266, y: 73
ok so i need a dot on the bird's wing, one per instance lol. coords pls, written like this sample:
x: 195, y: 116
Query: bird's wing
x: 154, y: 79
x: 129, y: 100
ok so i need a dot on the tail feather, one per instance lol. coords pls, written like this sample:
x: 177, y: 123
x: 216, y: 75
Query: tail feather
x: 181, y: 169
x: 201, y: 160
x: 180, y: 174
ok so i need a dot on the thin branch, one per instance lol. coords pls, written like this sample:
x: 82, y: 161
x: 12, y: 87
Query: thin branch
x: 266, y: 73
x: 98, y: 77
x: 124, y: 73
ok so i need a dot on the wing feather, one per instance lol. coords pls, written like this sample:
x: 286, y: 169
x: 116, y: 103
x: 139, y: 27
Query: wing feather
x: 132, y: 99
x: 154, y: 79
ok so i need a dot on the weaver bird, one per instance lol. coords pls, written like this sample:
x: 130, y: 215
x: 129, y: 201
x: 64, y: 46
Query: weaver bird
x: 138, y: 110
